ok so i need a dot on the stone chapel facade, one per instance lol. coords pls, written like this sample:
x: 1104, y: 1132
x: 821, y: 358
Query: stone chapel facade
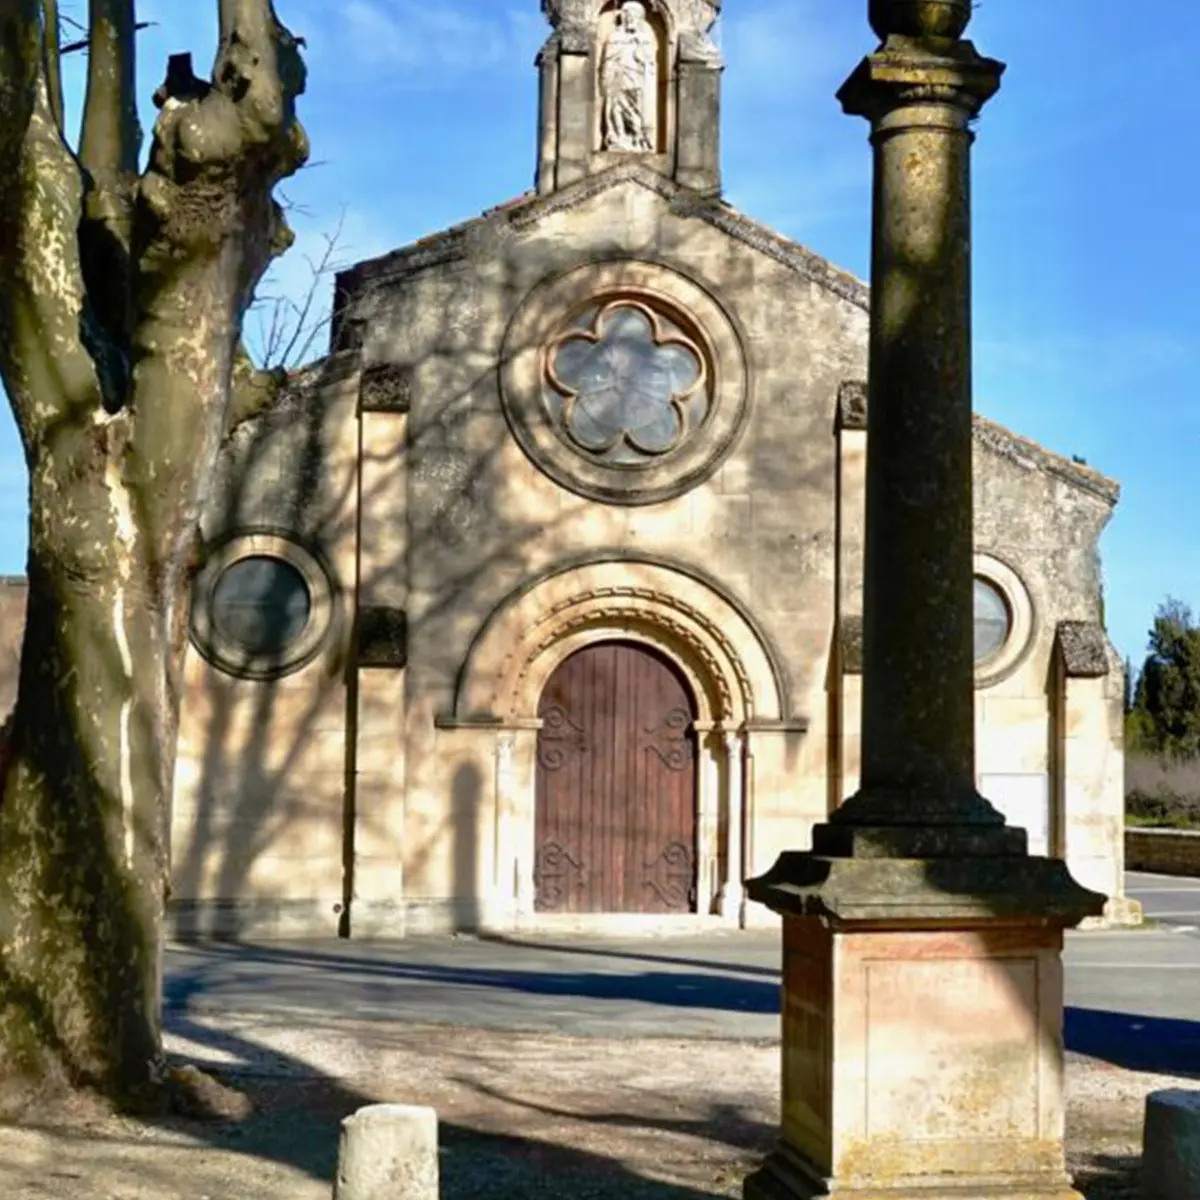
x: 536, y: 603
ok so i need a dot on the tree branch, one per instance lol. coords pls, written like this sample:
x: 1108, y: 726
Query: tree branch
x: 20, y: 50
x: 109, y: 147
x: 206, y: 228
x: 45, y: 319
x: 226, y: 18
x: 51, y: 31
x: 112, y: 137
x: 254, y: 390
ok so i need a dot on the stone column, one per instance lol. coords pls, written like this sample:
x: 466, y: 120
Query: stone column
x: 922, y: 1006
x: 524, y: 817
x: 733, y: 890
x: 547, y: 166
x: 708, y: 815
x: 920, y: 91
x: 503, y: 900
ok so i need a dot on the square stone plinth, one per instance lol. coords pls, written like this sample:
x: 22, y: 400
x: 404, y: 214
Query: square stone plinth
x: 920, y: 1063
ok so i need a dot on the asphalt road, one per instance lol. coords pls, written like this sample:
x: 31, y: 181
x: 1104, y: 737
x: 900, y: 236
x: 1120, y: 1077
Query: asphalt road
x: 1172, y: 901
x: 1133, y: 996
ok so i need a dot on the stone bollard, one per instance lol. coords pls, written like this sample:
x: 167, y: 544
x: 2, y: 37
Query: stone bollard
x: 1171, y: 1146
x: 388, y: 1152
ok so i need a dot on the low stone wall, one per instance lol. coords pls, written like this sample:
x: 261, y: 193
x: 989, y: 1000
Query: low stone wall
x: 1163, y: 851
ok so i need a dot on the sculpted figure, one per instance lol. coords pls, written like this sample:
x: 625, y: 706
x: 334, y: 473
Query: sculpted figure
x: 629, y: 82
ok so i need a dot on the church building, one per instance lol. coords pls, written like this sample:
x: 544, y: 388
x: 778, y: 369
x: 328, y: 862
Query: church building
x: 536, y: 605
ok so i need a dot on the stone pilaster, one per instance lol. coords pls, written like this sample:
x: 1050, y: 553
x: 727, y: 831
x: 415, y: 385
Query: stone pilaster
x: 698, y: 124
x: 547, y: 164
x: 576, y: 114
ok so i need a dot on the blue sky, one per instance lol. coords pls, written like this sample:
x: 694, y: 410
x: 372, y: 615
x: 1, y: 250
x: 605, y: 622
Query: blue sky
x: 1086, y: 223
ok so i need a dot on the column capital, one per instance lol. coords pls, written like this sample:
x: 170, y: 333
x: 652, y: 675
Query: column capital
x: 946, y: 19
x: 907, y: 73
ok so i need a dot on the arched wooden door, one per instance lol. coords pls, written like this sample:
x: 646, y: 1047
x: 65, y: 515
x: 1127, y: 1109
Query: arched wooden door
x: 616, y: 785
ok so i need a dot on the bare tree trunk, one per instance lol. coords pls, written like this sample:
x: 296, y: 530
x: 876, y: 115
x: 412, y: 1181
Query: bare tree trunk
x: 121, y: 302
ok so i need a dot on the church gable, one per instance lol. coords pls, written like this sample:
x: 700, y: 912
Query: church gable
x: 478, y: 320
x: 638, y: 185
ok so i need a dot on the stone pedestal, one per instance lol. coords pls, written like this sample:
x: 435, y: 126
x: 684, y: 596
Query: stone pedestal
x: 922, y: 1029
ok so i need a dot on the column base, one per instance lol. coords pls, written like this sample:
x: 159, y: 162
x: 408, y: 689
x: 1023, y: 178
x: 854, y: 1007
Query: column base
x: 786, y: 1175
x: 732, y: 903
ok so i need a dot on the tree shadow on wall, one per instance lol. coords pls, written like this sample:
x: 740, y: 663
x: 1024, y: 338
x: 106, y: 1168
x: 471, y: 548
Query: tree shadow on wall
x: 275, y: 764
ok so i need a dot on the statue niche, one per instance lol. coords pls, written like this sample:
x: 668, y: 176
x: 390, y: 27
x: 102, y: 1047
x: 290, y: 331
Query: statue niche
x: 630, y: 82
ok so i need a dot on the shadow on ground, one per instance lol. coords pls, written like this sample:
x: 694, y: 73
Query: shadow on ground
x: 721, y: 988
x: 1110, y: 1177
x: 1156, y: 1044
x: 506, y: 1147
x: 297, y: 1122
x: 676, y: 960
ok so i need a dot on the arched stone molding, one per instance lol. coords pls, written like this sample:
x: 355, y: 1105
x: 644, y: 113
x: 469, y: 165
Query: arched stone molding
x: 730, y: 669
x: 737, y: 681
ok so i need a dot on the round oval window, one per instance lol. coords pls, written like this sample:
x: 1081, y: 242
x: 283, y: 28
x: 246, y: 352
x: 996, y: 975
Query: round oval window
x: 993, y: 621
x: 261, y: 604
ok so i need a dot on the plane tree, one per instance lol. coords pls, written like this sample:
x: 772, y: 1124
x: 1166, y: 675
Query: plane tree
x: 123, y: 287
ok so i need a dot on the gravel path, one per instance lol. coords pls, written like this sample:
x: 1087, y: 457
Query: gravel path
x: 524, y: 1117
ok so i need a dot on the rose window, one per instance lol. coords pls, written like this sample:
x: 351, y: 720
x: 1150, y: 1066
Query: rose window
x: 626, y: 385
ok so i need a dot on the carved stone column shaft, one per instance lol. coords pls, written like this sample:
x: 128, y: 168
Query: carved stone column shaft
x: 918, y: 755
x: 918, y: 726
x: 733, y: 891
x: 922, y: 1007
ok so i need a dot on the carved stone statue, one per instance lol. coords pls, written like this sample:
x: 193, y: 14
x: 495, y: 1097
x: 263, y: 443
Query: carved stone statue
x: 629, y: 82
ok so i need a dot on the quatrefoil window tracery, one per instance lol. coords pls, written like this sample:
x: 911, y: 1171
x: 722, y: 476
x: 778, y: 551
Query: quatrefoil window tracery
x: 627, y: 384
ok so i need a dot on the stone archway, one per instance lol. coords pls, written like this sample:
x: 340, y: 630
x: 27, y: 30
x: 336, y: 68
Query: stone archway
x: 728, y: 670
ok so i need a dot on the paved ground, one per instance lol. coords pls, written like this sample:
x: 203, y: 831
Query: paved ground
x: 1169, y: 899
x: 1133, y: 997
x: 1131, y: 994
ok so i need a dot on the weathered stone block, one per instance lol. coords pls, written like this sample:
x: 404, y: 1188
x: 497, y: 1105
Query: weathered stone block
x: 386, y: 388
x: 382, y: 637
x: 1171, y: 1146
x: 388, y: 1152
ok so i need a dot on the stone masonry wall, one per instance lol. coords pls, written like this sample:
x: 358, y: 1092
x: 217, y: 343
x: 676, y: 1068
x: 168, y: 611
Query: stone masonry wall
x: 258, y: 827
x: 483, y: 518
x: 1163, y: 851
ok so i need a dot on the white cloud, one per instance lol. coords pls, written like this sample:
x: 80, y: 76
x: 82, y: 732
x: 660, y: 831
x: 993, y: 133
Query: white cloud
x: 426, y: 45
x: 1108, y: 361
x: 789, y: 47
